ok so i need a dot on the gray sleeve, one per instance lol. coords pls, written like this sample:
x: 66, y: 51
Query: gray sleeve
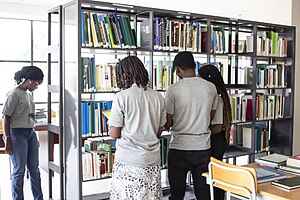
x: 170, y: 102
x: 117, y: 113
x: 10, y: 105
x: 218, y: 118
x: 215, y: 99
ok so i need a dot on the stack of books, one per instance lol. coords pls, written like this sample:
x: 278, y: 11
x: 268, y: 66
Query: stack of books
x: 293, y: 161
x: 288, y: 183
x: 292, y: 164
x: 273, y: 160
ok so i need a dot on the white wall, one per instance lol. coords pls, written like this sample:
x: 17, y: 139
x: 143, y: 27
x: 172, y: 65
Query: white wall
x: 10, y: 10
x: 272, y: 11
x: 296, y: 22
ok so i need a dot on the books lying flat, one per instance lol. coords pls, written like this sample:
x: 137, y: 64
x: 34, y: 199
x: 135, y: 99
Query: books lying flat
x: 267, y: 175
x: 290, y: 169
x: 272, y: 160
x: 288, y: 183
x: 293, y: 161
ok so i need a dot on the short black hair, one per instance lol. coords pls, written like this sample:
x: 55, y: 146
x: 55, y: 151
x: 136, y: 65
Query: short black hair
x: 184, y: 60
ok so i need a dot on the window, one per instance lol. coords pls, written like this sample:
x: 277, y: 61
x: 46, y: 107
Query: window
x: 15, y: 39
x: 23, y: 42
x: 40, y: 39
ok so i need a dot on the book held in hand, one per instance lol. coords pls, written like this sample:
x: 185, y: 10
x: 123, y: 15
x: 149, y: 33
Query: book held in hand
x: 288, y: 183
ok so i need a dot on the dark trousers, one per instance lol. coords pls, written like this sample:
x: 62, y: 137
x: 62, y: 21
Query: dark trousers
x: 218, y: 148
x: 179, y: 163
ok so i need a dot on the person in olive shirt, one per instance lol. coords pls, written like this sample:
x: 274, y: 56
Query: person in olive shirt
x: 190, y: 103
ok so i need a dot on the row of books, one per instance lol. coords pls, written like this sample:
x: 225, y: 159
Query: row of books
x: 94, y: 120
x: 97, y: 158
x: 243, y: 135
x: 270, y: 106
x: 115, y: 31
x: 163, y: 75
x: 184, y: 36
x: 262, y: 138
x: 271, y: 76
x: 103, y: 77
x: 267, y: 106
x: 108, y: 31
x: 269, y: 44
x: 98, y: 77
x: 99, y: 154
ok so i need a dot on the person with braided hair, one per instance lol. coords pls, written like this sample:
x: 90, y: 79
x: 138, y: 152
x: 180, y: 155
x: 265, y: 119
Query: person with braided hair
x: 137, y: 118
x: 221, y: 123
x: 21, y: 141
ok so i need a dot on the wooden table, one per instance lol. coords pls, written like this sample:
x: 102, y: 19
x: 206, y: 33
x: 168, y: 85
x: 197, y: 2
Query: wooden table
x: 268, y: 191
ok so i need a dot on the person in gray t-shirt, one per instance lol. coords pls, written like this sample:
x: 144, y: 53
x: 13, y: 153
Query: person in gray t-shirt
x: 137, y: 118
x: 21, y: 140
x: 191, y: 104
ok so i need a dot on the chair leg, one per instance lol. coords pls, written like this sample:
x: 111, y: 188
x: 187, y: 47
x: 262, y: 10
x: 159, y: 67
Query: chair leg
x: 10, y: 172
x: 228, y: 196
x: 27, y: 174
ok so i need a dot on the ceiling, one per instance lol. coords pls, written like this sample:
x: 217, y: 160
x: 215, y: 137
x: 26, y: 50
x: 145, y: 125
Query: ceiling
x: 44, y: 3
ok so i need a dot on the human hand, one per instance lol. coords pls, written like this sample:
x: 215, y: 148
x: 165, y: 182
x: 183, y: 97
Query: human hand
x: 8, y: 146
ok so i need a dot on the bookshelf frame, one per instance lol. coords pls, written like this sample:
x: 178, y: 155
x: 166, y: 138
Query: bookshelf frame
x: 72, y: 94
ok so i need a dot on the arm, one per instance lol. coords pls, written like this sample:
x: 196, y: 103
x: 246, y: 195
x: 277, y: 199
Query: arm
x: 8, y: 144
x: 212, y: 114
x: 169, y: 121
x: 216, y: 124
x: 160, y: 130
x: 216, y: 128
x: 115, y: 132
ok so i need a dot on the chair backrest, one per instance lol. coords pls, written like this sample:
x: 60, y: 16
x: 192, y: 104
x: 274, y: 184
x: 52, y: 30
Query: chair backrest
x: 231, y: 178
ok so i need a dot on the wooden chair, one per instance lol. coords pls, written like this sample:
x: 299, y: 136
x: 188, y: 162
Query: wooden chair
x: 237, y: 181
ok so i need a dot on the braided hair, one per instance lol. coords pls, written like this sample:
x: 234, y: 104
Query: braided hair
x: 29, y: 72
x: 131, y: 70
x: 211, y: 73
